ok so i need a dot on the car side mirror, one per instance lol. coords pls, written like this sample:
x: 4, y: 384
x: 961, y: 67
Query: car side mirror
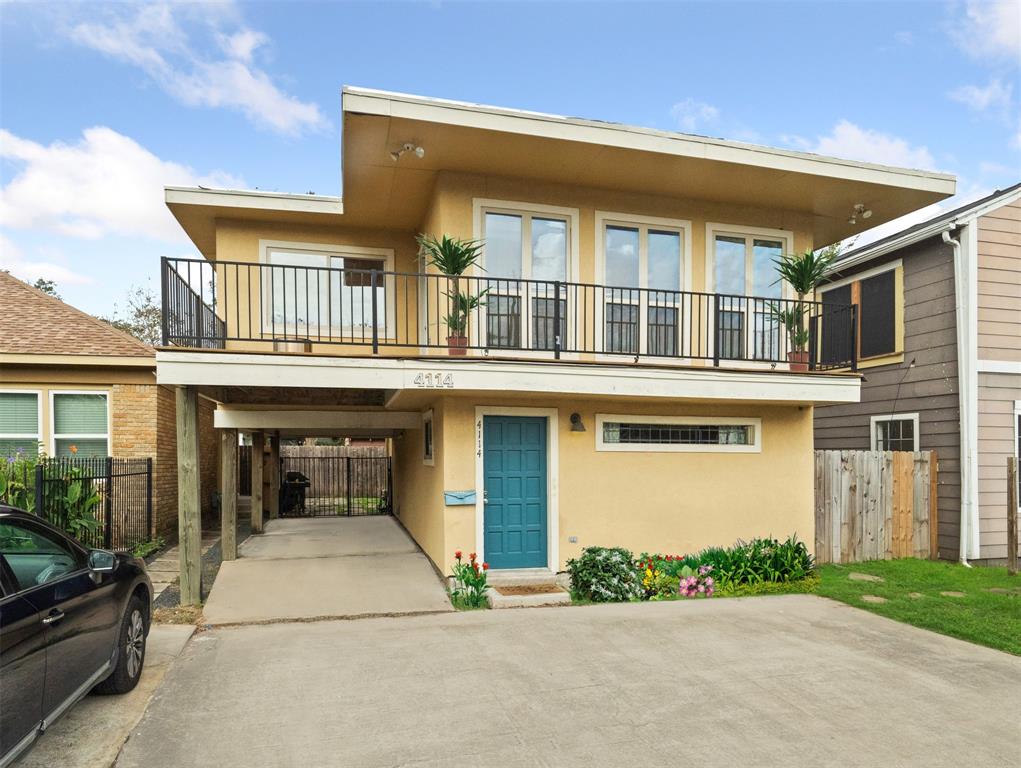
x: 101, y: 561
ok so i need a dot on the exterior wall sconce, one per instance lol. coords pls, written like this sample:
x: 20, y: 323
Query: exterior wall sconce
x: 576, y: 423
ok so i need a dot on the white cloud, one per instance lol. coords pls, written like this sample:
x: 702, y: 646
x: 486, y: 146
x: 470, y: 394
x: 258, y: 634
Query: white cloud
x: 105, y: 183
x: 160, y: 39
x: 853, y: 142
x: 13, y: 259
x: 989, y: 29
x: 690, y: 114
x: 996, y: 95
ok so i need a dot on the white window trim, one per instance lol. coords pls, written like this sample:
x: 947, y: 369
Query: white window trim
x: 712, y: 229
x: 38, y: 436
x: 603, y: 219
x: 913, y: 417
x: 859, y: 276
x: 480, y: 207
x: 328, y: 250
x: 54, y: 436
x: 754, y: 422
x: 552, y: 477
x: 1017, y: 446
x: 429, y: 459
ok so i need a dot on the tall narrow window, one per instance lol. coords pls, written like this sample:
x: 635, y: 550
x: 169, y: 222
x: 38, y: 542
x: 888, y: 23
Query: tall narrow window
x: 878, y: 315
x: 81, y: 424
x: 19, y: 423
x: 622, y: 301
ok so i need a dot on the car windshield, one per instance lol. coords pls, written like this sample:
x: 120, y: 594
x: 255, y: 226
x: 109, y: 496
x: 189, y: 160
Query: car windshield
x: 34, y: 556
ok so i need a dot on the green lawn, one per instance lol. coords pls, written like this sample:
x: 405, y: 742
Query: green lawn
x: 983, y: 617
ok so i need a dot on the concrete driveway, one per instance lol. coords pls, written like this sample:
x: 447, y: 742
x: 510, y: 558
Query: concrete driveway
x: 792, y: 680
x: 341, y: 567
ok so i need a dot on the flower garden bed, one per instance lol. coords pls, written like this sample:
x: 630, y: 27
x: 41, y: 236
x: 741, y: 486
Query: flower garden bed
x: 760, y: 566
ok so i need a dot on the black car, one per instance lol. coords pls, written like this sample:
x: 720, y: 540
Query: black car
x: 71, y: 620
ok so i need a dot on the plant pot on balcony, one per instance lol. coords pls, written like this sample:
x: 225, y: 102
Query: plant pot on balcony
x: 798, y: 360
x: 457, y: 345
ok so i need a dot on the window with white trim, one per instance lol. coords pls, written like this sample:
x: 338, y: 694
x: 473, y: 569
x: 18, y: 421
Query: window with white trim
x: 307, y: 296
x: 19, y: 423
x: 643, y: 265
x: 428, y: 457
x: 896, y: 432
x: 1017, y: 446
x: 677, y: 433
x: 80, y: 423
x: 520, y: 245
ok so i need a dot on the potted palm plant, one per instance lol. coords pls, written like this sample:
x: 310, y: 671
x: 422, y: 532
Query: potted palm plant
x: 802, y: 272
x: 453, y: 257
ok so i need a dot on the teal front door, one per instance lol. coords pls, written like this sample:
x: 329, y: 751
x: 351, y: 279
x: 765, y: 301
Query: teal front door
x: 514, y: 463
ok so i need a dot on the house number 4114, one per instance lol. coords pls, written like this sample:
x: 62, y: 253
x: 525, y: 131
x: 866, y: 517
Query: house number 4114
x: 434, y: 380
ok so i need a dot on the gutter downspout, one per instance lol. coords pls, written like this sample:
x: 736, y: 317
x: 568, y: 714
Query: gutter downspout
x: 960, y: 310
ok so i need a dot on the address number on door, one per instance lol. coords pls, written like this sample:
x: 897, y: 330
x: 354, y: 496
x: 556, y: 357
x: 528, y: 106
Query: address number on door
x: 434, y: 380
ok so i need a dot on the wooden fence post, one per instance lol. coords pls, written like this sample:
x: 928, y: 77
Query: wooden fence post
x: 257, y: 460
x: 228, y: 493
x: 1012, y: 504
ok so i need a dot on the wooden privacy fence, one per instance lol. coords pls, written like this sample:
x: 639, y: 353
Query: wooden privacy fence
x: 874, y: 505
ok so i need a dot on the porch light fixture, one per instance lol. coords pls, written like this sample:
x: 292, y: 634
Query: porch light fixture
x: 408, y: 146
x: 859, y: 212
x: 576, y: 423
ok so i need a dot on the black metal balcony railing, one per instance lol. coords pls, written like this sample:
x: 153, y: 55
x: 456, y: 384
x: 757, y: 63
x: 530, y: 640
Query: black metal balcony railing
x: 210, y: 305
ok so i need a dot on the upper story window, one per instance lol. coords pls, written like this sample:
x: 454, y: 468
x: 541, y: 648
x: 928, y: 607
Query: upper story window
x: 81, y: 424
x: 527, y: 248
x: 19, y: 423
x: 643, y: 264
x: 316, y: 291
x: 876, y: 294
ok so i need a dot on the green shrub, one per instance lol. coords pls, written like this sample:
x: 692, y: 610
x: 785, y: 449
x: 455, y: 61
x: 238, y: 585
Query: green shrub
x: 753, y: 562
x: 604, y: 575
x: 145, y: 548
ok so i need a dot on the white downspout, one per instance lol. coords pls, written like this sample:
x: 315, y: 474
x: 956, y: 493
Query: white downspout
x: 961, y: 309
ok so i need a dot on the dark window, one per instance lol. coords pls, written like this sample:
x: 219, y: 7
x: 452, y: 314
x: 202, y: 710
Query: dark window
x: 36, y: 556
x: 836, y: 325
x: 633, y: 433
x: 895, y: 435
x: 878, y: 335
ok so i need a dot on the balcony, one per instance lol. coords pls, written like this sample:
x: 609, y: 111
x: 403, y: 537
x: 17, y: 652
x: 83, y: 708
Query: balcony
x: 241, y: 306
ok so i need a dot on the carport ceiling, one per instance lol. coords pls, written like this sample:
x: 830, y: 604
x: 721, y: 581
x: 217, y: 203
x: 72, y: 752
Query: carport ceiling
x: 290, y: 397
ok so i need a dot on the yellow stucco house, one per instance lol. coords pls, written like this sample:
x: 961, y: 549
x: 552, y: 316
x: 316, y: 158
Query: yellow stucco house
x: 623, y: 379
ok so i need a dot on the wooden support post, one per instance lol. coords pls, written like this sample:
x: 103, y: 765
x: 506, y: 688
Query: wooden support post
x: 229, y: 493
x: 257, y: 461
x: 273, y: 502
x: 1012, y: 504
x: 189, y: 496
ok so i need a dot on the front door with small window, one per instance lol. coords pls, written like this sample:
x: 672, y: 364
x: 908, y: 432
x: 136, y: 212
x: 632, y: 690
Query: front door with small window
x: 515, y: 495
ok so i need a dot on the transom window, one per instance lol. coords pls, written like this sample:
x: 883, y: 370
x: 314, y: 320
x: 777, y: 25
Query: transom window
x: 81, y: 424
x: 680, y: 433
x: 307, y: 296
x: 19, y: 423
x: 897, y: 432
x: 643, y: 266
x: 525, y: 252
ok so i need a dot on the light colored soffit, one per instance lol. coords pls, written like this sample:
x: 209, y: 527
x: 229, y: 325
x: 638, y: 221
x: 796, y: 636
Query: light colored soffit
x: 254, y: 200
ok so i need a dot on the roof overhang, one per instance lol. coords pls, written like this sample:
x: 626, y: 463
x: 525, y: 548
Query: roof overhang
x: 473, y: 138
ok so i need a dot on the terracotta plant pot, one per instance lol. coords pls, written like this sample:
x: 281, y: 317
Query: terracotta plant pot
x: 457, y: 345
x: 798, y: 360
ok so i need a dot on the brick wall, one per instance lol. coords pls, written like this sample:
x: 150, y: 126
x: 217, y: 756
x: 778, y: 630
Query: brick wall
x: 209, y: 462
x: 165, y: 470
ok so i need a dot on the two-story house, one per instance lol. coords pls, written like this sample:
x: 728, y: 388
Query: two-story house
x: 939, y: 344
x: 622, y: 378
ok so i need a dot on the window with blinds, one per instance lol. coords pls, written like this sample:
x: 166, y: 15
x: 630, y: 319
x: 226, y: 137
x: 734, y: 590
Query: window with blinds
x: 19, y: 423
x: 81, y: 424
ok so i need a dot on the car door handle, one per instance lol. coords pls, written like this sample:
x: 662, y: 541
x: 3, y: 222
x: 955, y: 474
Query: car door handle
x: 53, y: 618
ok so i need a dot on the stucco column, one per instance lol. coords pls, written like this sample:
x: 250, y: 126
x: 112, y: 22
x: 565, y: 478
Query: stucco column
x: 189, y: 509
x: 229, y: 493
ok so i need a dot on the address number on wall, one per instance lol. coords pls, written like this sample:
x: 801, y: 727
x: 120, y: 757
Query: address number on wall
x: 434, y: 380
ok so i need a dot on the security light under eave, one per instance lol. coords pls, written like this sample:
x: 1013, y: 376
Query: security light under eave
x: 859, y: 212
x: 408, y: 146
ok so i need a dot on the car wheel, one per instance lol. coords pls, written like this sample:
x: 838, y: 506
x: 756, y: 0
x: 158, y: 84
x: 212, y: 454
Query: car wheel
x: 130, y: 650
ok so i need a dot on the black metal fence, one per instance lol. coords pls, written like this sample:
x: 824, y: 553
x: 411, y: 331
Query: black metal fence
x: 328, y: 486
x: 280, y: 306
x: 103, y: 501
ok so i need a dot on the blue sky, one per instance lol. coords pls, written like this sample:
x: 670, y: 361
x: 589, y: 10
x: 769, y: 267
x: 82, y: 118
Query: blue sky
x: 101, y: 105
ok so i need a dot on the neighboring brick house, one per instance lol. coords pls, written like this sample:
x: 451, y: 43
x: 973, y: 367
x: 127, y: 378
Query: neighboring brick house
x: 69, y: 379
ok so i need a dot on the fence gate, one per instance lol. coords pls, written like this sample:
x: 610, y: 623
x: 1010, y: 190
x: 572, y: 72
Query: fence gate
x: 329, y: 486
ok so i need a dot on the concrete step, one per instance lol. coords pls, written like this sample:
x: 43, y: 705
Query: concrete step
x: 520, y: 577
x: 496, y: 600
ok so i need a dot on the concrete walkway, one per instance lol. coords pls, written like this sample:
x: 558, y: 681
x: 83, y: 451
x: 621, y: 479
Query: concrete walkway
x: 793, y: 680
x: 92, y: 732
x: 166, y: 568
x: 341, y: 567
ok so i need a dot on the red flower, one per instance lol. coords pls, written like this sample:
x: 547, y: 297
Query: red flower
x: 457, y: 555
x: 475, y: 566
x: 472, y: 556
x: 485, y: 566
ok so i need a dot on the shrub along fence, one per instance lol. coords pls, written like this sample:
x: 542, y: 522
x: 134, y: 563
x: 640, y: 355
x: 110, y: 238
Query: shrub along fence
x: 874, y: 505
x: 102, y: 501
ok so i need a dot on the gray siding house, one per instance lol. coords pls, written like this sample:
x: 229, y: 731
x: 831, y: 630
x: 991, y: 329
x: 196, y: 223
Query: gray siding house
x: 939, y: 340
